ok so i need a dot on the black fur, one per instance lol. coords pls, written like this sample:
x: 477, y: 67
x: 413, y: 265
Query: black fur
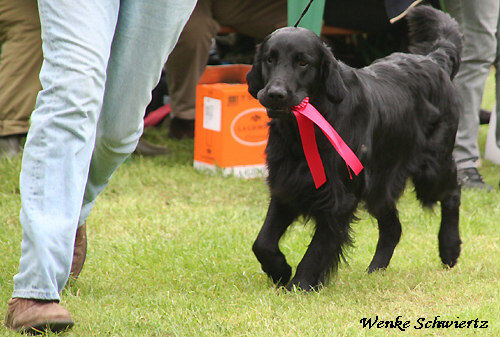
x: 399, y: 116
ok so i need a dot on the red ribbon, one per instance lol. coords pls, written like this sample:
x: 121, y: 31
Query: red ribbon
x: 306, y: 115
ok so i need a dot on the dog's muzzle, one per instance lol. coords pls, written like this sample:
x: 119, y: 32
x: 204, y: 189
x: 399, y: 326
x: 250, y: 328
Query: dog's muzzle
x: 284, y: 113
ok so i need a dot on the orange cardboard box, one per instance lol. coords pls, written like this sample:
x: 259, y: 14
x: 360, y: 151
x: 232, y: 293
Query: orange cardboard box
x: 230, y: 126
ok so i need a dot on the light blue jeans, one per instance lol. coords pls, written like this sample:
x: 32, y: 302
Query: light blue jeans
x: 102, y: 60
x: 478, y: 20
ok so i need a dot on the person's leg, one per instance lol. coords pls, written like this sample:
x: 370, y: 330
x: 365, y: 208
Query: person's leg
x: 152, y: 26
x: 20, y: 62
x: 478, y: 20
x: 189, y: 58
x: 254, y: 18
x: 185, y: 66
x: 497, y: 86
x: 76, y: 39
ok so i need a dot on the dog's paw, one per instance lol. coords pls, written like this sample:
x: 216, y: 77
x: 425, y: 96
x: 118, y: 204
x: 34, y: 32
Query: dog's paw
x: 303, y: 285
x: 449, y: 257
x: 449, y: 251
x: 280, y: 276
x: 373, y: 268
x: 380, y: 261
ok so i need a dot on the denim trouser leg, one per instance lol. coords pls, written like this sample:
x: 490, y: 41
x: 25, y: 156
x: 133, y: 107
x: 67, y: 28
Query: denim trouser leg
x: 121, y: 123
x: 478, y: 20
x: 102, y: 59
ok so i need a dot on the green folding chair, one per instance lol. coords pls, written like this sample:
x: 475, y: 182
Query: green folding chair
x: 312, y: 20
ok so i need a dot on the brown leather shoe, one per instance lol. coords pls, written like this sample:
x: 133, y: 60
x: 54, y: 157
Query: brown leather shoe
x: 80, y: 251
x: 35, y: 316
x: 181, y: 128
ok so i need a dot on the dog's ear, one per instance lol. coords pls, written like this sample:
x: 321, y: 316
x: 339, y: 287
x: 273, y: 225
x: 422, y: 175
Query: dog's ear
x: 254, y: 76
x: 330, y: 71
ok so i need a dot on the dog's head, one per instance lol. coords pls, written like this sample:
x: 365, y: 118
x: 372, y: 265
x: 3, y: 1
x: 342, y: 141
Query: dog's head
x: 291, y: 64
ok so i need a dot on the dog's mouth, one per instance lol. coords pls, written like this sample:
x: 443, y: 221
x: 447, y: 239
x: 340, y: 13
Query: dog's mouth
x: 284, y: 113
x: 279, y: 108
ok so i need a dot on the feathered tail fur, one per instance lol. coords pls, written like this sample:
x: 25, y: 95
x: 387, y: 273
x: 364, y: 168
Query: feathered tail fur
x: 436, y: 34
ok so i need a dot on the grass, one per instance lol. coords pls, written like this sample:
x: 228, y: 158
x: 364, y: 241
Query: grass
x: 170, y: 255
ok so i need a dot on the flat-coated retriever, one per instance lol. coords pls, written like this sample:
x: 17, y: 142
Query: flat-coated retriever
x: 399, y: 116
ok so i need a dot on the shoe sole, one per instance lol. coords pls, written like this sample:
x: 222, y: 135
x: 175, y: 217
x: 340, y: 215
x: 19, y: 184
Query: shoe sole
x: 40, y: 328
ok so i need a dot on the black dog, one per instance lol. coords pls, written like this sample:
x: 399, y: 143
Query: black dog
x: 399, y: 116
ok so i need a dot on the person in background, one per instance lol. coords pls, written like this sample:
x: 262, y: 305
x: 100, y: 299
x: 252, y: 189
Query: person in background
x: 187, y: 62
x: 20, y: 62
x: 497, y: 86
x: 478, y: 21
x: 101, y: 61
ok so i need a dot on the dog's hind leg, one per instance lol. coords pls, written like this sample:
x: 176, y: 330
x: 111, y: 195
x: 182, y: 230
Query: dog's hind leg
x: 444, y: 188
x: 389, y: 229
x: 266, y: 246
x: 324, y: 252
x: 449, y: 236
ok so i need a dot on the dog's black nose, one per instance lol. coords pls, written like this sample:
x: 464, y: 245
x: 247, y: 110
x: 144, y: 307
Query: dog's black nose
x: 276, y: 93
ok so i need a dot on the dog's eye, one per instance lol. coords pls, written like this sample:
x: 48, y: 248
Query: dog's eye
x: 269, y: 60
x: 303, y: 63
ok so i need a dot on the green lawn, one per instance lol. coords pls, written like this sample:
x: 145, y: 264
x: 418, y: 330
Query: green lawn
x: 170, y: 255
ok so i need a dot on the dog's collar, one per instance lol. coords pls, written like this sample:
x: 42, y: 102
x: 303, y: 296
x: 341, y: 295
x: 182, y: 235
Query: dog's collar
x: 306, y: 115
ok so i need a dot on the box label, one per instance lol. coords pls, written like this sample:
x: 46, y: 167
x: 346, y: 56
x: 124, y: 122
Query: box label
x: 250, y: 127
x: 212, y: 113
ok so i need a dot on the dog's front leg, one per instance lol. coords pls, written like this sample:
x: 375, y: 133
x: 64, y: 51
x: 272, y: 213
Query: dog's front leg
x: 266, y: 246
x: 389, y: 233
x: 324, y: 252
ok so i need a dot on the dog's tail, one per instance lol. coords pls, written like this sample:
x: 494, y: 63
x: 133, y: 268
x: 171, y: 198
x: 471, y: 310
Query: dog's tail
x: 435, y: 33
